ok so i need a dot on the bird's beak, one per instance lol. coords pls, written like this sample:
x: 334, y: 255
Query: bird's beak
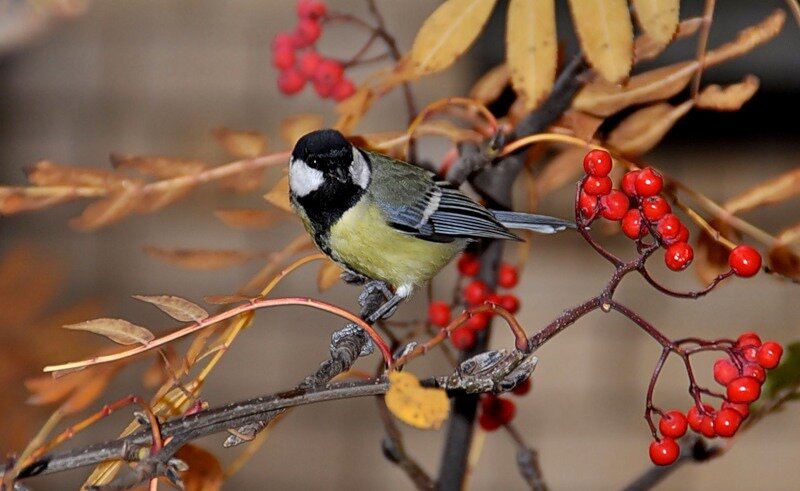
x: 340, y: 174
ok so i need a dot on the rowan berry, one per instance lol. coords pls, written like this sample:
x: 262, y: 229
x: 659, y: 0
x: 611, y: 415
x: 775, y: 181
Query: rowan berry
x: 291, y: 81
x: 468, y: 264
x: 476, y: 292
x: 343, y: 89
x: 655, y: 207
x: 632, y: 223
x: 628, y: 183
x: 682, y: 236
x: 679, y: 256
x: 744, y: 261
x: 726, y: 422
x: 707, y: 425
x: 694, y: 417
x: 522, y: 388
x: 439, y: 313
x: 597, y: 186
x: 664, y: 452
x: 769, y: 354
x: 510, y: 303
x: 597, y: 163
x: 740, y: 407
x: 307, y: 32
x: 312, y: 9
x: 743, y: 389
x: 499, y: 408
x: 507, y: 276
x: 328, y: 73
x: 614, y: 205
x: 669, y: 227
x: 308, y: 62
x: 673, y: 424
x: 477, y: 322
x: 748, y: 339
x: 283, y: 57
x: 725, y: 371
x: 755, y: 371
x: 648, y: 182
x: 463, y: 338
x: 587, y: 204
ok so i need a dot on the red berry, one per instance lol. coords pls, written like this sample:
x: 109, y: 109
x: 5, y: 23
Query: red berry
x: 488, y: 423
x: 679, y: 256
x: 477, y: 322
x: 725, y: 371
x: 500, y: 408
x: 664, y: 452
x: 313, y: 9
x: 291, y: 81
x: 673, y: 424
x: 707, y: 425
x: 510, y: 303
x: 682, y: 236
x: 750, y: 353
x: 597, y: 186
x: 328, y: 73
x: 669, y: 226
x: 476, y: 292
x: 744, y: 261
x: 439, y: 313
x: 655, y: 207
x: 726, y: 422
x: 343, y: 89
x: 494, y: 299
x: 282, y: 40
x: 614, y: 205
x: 468, y: 264
x: 307, y: 32
x: 587, y: 204
x: 694, y: 417
x: 755, y: 371
x: 632, y: 223
x: 463, y: 338
x: 308, y: 62
x: 741, y: 408
x: 522, y: 388
x: 743, y: 389
x: 283, y: 57
x: 648, y: 182
x: 507, y: 276
x: 628, y: 183
x: 748, y: 338
x: 769, y: 354
x: 597, y: 163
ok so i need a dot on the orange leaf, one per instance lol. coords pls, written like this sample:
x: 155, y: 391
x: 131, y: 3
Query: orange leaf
x: 606, y: 35
x: 293, y: 127
x: 784, y: 261
x: 49, y: 173
x: 328, y: 275
x: 646, y: 48
x: 201, y: 259
x: 730, y: 98
x: 532, y: 48
x: 79, y: 389
x: 158, y: 167
x: 247, y: 218
x: 748, y: 39
x: 279, y: 194
x: 448, y: 33
x: 583, y: 125
x: 766, y: 192
x: 415, y: 405
x: 118, y: 330
x: 17, y: 199
x: 711, y: 257
x: 658, y: 18
x: 204, y: 472
x: 155, y: 200
x: 109, y: 210
x: 643, y: 129
x: 489, y: 87
x: 176, y: 307
x: 241, y: 144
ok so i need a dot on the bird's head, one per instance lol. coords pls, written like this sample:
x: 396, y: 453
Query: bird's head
x: 323, y: 161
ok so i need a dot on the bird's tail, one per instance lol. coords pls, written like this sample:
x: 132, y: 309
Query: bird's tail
x: 527, y: 221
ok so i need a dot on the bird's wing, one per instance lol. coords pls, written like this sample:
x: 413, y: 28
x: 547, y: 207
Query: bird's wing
x: 417, y: 203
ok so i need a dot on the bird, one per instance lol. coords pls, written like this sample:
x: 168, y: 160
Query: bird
x: 389, y: 221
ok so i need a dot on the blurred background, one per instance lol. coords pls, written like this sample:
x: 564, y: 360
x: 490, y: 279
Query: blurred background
x: 80, y: 80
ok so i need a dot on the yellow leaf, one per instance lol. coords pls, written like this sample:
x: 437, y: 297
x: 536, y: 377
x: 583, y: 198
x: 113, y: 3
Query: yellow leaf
x: 730, y: 98
x: 279, y: 194
x: 583, y: 125
x: 159, y: 167
x: 606, y: 35
x: 294, y: 127
x: 489, y: 87
x: 176, y: 307
x: 532, y: 48
x: 766, y: 192
x: 201, y: 259
x: 658, y: 18
x: 328, y: 275
x: 643, y: 129
x: 118, y: 330
x: 748, y: 39
x: 647, y: 48
x: 415, y: 405
x: 241, y: 144
x: 108, y: 210
x: 604, y: 99
x: 49, y: 173
x: 247, y: 218
x: 448, y: 33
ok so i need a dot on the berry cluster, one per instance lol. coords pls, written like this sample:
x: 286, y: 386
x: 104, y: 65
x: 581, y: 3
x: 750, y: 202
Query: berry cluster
x: 295, y: 55
x: 497, y: 411
x: 476, y: 293
x: 642, y: 211
x: 742, y: 375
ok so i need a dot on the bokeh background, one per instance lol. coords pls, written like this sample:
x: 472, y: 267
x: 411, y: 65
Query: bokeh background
x: 152, y: 77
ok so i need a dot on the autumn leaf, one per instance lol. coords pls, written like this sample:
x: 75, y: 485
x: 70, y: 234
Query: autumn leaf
x: 748, y: 39
x: 766, y: 192
x: 49, y: 173
x: 176, y: 307
x: 201, y: 259
x: 448, y: 33
x: 564, y: 168
x: 328, y: 275
x: 583, y: 125
x: 279, y: 194
x: 225, y: 299
x: 784, y: 260
x: 417, y: 406
x: 77, y: 390
x: 241, y: 144
x: 247, y: 218
x: 294, y: 127
x: 108, y: 210
x: 606, y: 34
x: 729, y: 98
x: 647, y: 48
x: 118, y: 330
x: 18, y: 199
x: 158, y: 167
x: 710, y: 256
x: 643, y: 129
x: 658, y: 18
x: 532, y: 48
x: 204, y: 472
x: 489, y: 87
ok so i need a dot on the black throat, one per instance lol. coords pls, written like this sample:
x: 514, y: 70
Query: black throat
x: 325, y: 206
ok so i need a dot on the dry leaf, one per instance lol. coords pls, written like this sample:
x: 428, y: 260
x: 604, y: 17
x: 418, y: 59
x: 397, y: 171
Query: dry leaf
x: 241, y: 144
x: 77, y: 389
x: 225, y: 299
x: 202, y: 259
x: 17, y: 199
x: 582, y: 125
x: 158, y: 167
x: 489, y: 87
x: 748, y: 39
x: 730, y: 98
x: 606, y: 34
x: 118, y: 330
x: 48, y: 173
x: 247, y: 218
x: 784, y: 261
x: 766, y: 192
x: 155, y: 200
x: 789, y: 235
x: 294, y: 127
x: 352, y: 109
x: 328, y: 275
x: 204, y: 472
x: 279, y: 195
x: 643, y: 129
x: 448, y: 33
x: 711, y: 257
x: 566, y: 167
x: 176, y: 307
x: 532, y: 48
x: 646, y: 48
x: 108, y: 210
x: 658, y: 18
x: 161, y: 371
x: 415, y: 405
x: 604, y: 99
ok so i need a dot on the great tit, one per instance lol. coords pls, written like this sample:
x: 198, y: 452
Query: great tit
x: 388, y: 220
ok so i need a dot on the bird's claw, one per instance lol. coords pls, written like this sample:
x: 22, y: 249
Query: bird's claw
x: 352, y: 278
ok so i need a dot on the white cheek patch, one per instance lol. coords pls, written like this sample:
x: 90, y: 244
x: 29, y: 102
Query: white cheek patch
x: 359, y: 169
x: 303, y: 179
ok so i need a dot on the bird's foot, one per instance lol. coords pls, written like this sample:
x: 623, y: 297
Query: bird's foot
x: 352, y: 278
